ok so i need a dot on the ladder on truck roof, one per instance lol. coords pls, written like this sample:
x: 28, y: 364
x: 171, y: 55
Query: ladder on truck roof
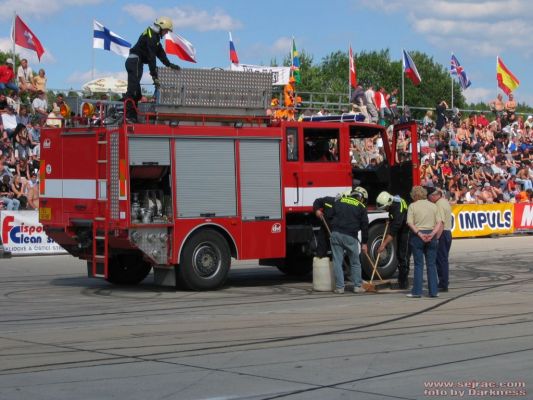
x: 100, y: 254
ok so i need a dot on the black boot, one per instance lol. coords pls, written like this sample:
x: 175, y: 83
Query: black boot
x: 403, y: 278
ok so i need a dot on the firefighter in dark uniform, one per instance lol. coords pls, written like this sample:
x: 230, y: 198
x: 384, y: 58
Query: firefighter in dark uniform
x: 145, y: 51
x: 349, y: 216
x: 323, y: 206
x: 398, y: 229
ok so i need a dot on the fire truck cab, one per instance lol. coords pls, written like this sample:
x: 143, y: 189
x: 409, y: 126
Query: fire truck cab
x: 208, y: 177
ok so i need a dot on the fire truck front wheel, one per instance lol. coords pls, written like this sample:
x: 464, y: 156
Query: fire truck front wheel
x: 205, y: 261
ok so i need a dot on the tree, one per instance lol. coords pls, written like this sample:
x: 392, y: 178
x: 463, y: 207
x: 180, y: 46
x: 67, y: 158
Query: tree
x: 377, y: 68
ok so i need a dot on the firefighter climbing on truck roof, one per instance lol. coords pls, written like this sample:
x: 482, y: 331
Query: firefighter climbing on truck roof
x: 399, y: 231
x: 145, y: 51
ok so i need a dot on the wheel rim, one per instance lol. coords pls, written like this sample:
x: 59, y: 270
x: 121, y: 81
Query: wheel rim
x: 386, y: 255
x: 206, y: 260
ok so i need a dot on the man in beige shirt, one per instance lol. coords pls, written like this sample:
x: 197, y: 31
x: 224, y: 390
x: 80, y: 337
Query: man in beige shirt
x: 444, y: 214
x: 424, y: 224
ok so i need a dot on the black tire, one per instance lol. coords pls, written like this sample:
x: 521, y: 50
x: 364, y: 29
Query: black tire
x: 296, y: 263
x: 128, y: 269
x: 387, y: 262
x: 205, y: 261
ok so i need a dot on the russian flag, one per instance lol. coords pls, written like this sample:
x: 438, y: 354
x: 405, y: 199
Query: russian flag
x: 409, y: 68
x: 232, y: 52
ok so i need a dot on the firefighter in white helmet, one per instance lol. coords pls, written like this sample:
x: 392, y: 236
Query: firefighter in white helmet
x: 399, y: 231
x: 145, y: 51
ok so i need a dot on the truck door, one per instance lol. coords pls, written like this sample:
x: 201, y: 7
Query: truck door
x: 326, y: 167
x: 405, y: 167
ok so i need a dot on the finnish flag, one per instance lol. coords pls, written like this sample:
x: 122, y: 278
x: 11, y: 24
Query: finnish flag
x: 103, y: 38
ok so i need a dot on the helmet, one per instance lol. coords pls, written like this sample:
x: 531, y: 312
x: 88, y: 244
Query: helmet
x: 360, y: 194
x: 384, y: 200
x: 292, y: 80
x: 164, y: 23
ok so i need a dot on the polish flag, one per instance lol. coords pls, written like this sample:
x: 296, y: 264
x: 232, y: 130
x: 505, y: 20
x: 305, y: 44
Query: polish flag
x: 353, y: 75
x: 24, y: 37
x: 179, y: 46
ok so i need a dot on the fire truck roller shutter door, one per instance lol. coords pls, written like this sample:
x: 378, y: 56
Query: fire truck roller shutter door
x: 260, y: 179
x: 149, y: 150
x: 205, y: 178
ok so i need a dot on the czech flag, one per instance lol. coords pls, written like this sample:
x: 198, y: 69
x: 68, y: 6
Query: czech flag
x: 506, y: 80
x: 409, y: 68
x: 179, y: 46
x: 353, y: 74
x: 232, y: 52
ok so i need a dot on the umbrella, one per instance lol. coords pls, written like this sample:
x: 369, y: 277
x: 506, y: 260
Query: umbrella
x: 105, y: 85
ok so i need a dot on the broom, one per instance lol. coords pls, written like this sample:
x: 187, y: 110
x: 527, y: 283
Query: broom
x: 369, y: 286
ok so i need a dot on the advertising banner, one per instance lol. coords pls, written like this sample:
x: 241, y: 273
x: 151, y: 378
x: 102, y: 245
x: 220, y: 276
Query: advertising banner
x: 523, y: 216
x: 280, y: 75
x: 470, y: 220
x: 22, y: 234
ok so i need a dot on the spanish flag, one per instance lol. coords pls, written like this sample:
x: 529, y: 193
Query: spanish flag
x: 506, y: 80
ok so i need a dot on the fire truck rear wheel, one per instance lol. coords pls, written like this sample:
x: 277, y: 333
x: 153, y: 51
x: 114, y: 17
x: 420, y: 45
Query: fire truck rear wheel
x: 128, y: 269
x: 387, y: 261
x: 205, y: 261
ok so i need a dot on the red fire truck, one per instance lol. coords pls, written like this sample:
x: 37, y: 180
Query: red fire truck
x: 207, y: 177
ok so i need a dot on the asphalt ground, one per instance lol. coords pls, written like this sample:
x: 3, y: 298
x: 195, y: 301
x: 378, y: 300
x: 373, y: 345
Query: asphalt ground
x: 266, y: 336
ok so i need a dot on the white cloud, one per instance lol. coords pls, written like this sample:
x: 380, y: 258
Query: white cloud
x: 6, y: 45
x: 31, y: 9
x: 478, y: 94
x: 488, y: 26
x: 282, y: 45
x: 185, y: 17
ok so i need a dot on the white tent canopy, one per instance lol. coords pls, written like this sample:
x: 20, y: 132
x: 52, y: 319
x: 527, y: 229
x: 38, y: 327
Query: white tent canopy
x: 107, y: 84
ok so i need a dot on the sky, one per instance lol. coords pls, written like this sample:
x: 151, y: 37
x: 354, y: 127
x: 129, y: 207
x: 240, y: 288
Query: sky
x: 475, y: 31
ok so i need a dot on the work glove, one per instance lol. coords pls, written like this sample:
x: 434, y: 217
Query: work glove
x: 156, y: 82
x: 175, y: 66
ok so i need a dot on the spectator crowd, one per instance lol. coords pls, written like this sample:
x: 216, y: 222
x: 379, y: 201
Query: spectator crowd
x: 475, y: 159
x: 23, y: 112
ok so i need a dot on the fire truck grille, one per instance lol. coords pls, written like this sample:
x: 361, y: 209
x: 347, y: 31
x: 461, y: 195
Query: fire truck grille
x: 114, y: 175
x: 214, y: 92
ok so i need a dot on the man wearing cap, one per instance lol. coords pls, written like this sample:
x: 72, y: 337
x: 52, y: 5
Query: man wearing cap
x: 444, y: 235
x: 7, y: 76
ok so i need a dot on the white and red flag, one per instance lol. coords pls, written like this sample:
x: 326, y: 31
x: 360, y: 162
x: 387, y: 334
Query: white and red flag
x: 353, y: 74
x: 179, y: 46
x: 24, y: 37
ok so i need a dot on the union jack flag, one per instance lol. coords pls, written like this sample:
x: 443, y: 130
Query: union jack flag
x: 456, y: 69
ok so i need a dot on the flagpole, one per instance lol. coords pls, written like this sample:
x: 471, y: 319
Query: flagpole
x: 14, y: 40
x: 92, y: 55
x: 451, y: 77
x: 403, y: 83
x: 349, y: 76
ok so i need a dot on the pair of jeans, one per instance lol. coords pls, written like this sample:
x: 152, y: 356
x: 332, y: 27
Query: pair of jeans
x: 9, y: 85
x: 443, y: 251
x: 134, y: 68
x: 341, y: 243
x: 428, y: 251
x: 11, y: 204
